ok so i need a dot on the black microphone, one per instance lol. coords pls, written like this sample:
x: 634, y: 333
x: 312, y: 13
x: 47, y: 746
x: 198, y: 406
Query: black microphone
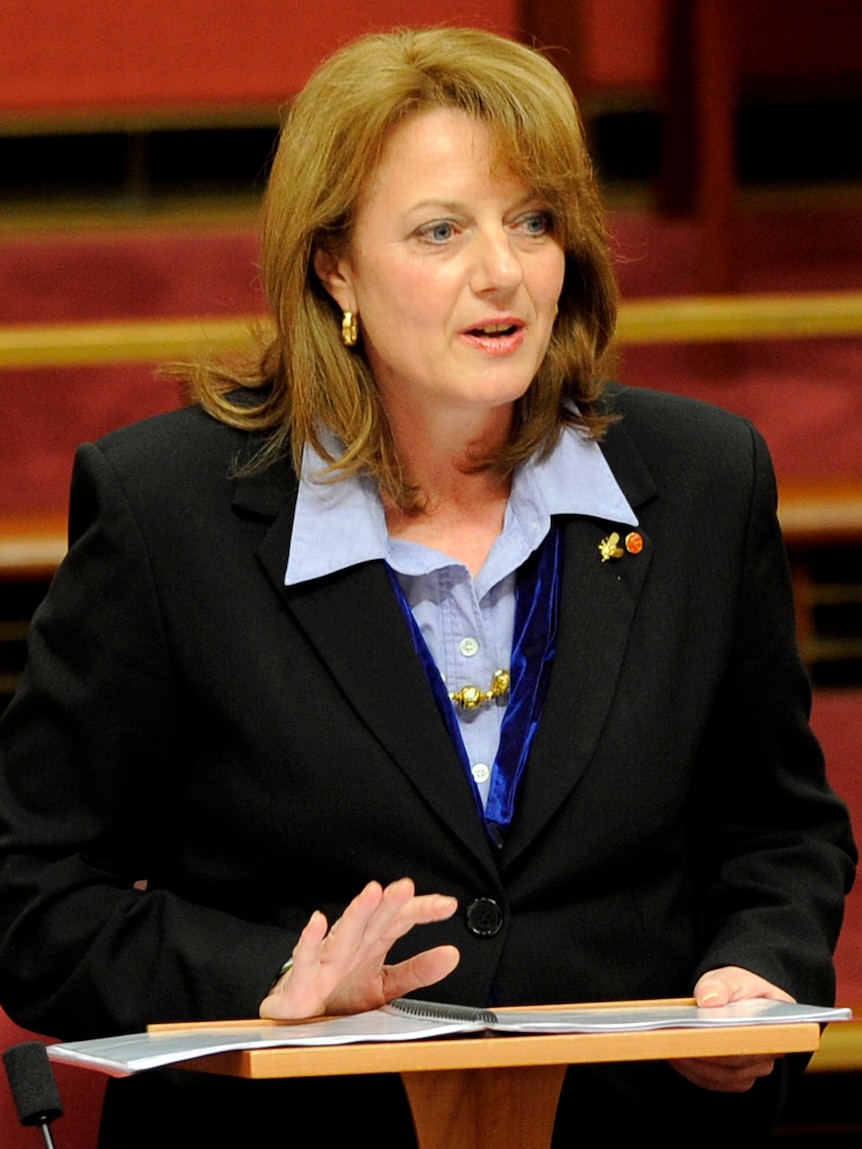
x: 34, y: 1089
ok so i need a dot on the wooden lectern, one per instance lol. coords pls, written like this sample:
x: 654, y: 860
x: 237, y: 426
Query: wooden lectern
x: 501, y: 1091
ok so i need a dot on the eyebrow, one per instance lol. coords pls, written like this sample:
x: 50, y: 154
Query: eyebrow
x: 443, y: 205
x: 457, y: 207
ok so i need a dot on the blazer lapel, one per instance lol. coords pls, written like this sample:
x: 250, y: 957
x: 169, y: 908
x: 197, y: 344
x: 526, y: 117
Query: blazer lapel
x: 354, y: 621
x: 597, y: 604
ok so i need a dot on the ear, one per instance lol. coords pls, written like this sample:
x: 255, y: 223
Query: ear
x: 335, y: 274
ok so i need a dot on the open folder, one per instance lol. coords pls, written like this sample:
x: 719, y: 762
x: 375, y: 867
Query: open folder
x: 409, y: 1020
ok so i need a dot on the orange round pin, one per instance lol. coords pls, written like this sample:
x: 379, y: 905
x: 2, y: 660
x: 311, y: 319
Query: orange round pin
x: 634, y: 543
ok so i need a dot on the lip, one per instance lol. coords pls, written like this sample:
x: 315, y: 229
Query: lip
x: 479, y: 335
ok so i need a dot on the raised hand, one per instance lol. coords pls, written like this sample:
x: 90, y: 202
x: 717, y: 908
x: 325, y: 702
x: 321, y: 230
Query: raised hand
x: 343, y: 970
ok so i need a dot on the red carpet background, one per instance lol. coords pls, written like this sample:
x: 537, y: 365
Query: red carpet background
x: 837, y: 722
x: 805, y: 395
x: 107, y: 274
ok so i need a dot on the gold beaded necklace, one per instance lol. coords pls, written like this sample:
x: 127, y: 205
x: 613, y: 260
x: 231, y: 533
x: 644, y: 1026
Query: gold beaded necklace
x: 471, y: 697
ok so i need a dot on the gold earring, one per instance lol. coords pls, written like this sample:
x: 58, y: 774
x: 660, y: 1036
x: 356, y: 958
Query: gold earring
x: 349, y: 329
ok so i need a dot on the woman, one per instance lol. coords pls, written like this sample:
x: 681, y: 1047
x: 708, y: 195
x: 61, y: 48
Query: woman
x: 525, y: 642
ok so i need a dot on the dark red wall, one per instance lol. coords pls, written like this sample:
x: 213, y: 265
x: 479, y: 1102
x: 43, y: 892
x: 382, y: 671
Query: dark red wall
x: 57, y: 54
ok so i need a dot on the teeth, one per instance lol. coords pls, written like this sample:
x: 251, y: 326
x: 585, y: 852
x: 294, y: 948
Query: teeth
x: 495, y: 328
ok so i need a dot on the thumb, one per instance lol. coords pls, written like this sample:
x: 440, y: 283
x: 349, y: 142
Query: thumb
x: 712, y: 990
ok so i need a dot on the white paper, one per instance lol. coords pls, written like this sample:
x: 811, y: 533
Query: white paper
x: 134, y: 1052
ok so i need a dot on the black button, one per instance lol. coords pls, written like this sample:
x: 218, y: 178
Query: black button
x: 484, y: 918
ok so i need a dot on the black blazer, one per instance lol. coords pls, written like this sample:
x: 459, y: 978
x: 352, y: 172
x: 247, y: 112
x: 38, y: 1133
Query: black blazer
x: 255, y: 752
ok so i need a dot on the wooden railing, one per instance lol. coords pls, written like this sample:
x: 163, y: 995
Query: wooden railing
x: 723, y: 318
x: 811, y: 515
x: 678, y: 320
x: 129, y: 341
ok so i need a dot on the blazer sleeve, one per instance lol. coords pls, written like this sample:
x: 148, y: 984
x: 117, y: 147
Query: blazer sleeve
x: 88, y: 750
x: 771, y: 842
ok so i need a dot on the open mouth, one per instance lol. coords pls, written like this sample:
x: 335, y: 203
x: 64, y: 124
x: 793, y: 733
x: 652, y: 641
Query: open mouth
x: 500, y: 339
x: 494, y: 330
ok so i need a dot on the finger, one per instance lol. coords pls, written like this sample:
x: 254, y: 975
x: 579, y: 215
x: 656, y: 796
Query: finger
x: 296, y: 993
x: 370, y: 935
x: 714, y: 1074
x: 367, y: 929
x: 733, y: 983
x: 724, y: 1075
x: 345, y: 940
x: 306, y: 952
x: 420, y: 910
x: 401, y: 907
x: 712, y: 990
x: 421, y: 970
x: 424, y: 969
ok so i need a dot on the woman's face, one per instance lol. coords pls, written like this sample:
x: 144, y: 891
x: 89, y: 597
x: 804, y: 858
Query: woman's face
x: 454, y: 271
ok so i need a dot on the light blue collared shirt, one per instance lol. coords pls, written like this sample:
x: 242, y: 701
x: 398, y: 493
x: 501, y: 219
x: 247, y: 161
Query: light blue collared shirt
x: 467, y: 623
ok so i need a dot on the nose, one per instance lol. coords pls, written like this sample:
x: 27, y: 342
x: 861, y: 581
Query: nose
x: 497, y: 265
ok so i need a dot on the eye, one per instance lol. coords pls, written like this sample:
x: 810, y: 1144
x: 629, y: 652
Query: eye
x: 438, y: 231
x: 535, y: 223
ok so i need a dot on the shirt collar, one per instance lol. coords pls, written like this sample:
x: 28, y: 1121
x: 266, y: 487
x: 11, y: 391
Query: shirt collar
x: 338, y: 524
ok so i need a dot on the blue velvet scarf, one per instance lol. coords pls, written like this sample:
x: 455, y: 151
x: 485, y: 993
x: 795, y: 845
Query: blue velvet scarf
x: 533, y: 648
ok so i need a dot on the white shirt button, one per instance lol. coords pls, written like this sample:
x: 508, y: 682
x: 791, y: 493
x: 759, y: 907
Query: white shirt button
x: 481, y: 773
x: 468, y: 647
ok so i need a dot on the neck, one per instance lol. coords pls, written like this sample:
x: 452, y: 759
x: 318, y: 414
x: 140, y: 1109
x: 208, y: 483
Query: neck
x: 438, y: 454
x: 464, y: 510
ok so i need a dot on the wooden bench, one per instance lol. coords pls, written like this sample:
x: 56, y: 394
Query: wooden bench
x: 31, y: 546
x: 815, y: 515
